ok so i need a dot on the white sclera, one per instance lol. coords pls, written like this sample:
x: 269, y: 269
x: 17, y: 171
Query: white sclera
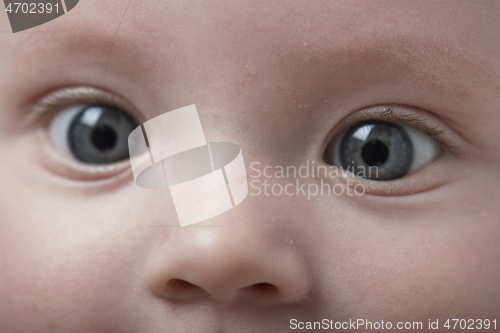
x: 59, y: 126
x: 425, y: 149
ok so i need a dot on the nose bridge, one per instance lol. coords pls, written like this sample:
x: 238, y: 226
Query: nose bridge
x: 228, y: 263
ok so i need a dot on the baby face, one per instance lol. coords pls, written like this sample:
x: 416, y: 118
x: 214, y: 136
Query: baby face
x: 411, y: 88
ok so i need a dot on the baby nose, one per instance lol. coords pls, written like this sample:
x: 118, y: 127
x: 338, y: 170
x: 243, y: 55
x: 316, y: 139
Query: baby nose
x: 227, y: 264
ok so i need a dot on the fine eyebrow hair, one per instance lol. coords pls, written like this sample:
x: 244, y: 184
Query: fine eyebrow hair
x: 439, y: 64
x: 104, y: 45
x: 423, y: 57
x: 396, y: 53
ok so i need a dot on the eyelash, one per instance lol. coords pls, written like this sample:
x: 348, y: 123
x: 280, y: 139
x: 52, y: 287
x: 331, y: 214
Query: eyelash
x: 42, y: 113
x: 418, y: 119
x: 68, y: 97
x: 55, y: 102
x: 415, y: 121
x: 87, y: 95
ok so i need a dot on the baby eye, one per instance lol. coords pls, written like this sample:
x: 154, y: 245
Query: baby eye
x: 94, y: 134
x: 382, y: 150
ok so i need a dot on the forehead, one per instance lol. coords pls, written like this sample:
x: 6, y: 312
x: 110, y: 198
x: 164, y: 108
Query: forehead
x: 327, y: 39
x: 190, y: 26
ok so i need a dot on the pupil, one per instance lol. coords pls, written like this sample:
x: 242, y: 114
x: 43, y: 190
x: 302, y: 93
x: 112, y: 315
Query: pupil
x: 375, y: 153
x: 104, y: 137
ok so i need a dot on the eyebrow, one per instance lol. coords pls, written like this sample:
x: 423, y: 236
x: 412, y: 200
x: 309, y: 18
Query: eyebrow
x: 436, y: 63
x: 422, y: 58
x: 451, y: 61
x: 447, y: 77
x: 106, y: 45
x: 401, y: 53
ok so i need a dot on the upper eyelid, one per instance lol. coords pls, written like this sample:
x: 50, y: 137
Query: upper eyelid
x: 70, y: 96
x: 415, y: 121
x: 67, y: 97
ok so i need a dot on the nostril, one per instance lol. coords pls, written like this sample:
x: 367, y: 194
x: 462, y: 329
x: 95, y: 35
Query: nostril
x: 181, y: 285
x: 182, y: 290
x: 266, y: 290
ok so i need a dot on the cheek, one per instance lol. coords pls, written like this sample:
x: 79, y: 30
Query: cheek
x: 68, y: 261
x: 444, y: 260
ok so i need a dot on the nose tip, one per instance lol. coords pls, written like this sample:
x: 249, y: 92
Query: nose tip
x: 226, y: 268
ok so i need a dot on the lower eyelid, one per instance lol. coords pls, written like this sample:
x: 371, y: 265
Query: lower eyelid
x: 421, y: 181
x: 61, y: 164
